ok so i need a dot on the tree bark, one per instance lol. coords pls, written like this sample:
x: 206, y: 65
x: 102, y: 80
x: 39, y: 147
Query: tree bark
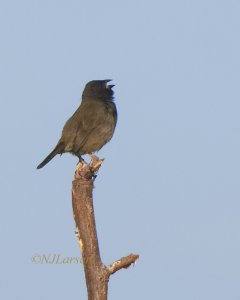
x: 96, y: 273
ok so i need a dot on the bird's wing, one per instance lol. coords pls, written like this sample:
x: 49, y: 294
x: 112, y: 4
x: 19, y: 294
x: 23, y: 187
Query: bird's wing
x: 94, y: 116
x: 83, y: 122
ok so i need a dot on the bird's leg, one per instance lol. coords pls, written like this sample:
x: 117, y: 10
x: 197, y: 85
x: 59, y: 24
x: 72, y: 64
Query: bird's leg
x: 81, y: 160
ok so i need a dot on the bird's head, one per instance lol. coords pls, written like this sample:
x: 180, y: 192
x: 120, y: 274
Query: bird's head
x: 98, y: 89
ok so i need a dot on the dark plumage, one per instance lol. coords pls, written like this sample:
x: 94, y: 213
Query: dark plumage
x: 92, y: 125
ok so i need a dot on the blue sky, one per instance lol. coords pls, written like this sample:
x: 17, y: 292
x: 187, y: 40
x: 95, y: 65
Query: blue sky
x: 169, y: 186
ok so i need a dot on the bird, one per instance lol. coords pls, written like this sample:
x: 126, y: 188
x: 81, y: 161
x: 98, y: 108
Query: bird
x: 91, y: 126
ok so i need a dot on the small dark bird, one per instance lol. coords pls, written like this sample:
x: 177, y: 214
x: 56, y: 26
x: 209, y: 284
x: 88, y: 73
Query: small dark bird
x: 92, y: 125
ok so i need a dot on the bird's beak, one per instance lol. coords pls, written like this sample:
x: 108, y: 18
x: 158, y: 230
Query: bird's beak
x: 110, y: 86
x: 107, y: 80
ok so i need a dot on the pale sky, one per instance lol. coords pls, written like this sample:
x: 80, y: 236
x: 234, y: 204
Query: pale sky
x: 169, y: 186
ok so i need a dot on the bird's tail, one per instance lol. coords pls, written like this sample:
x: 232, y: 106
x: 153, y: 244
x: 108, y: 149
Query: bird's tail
x: 57, y: 150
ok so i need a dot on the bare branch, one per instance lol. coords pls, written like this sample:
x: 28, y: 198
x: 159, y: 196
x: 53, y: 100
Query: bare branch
x: 123, y: 262
x: 96, y: 273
